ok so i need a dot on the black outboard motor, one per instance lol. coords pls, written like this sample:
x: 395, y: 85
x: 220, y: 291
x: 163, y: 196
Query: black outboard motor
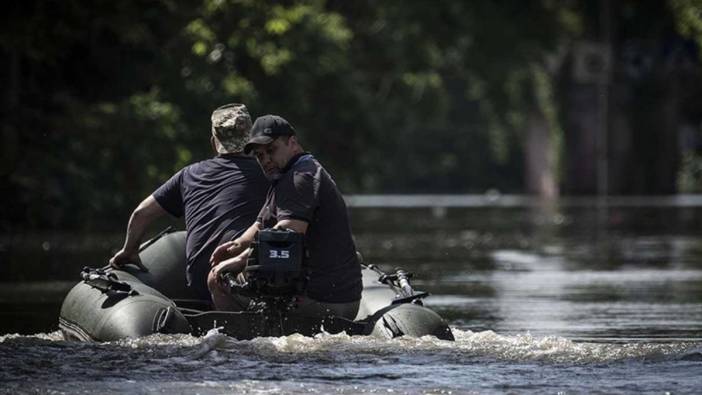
x: 275, y: 268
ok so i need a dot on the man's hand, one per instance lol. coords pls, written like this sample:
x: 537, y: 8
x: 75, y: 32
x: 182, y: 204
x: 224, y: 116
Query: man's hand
x: 225, y: 251
x: 233, y: 265
x: 124, y: 257
x: 216, y: 284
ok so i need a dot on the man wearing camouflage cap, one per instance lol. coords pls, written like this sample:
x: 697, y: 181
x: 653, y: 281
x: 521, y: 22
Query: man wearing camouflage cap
x: 219, y: 197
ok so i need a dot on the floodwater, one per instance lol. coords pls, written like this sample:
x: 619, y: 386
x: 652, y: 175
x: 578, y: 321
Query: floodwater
x: 566, y: 299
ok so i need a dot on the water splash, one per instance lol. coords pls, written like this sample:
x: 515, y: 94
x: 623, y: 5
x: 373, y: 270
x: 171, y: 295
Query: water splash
x: 326, y: 347
x: 468, y: 347
x: 216, y: 363
x: 554, y: 349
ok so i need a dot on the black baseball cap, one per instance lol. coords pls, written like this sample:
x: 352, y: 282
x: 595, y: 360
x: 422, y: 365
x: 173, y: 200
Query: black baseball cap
x: 267, y: 128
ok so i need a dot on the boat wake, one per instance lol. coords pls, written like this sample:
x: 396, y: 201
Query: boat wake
x: 218, y: 363
x: 553, y: 349
x: 468, y: 347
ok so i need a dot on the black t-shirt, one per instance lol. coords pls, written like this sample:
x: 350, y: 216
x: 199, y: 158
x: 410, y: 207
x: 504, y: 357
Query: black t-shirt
x: 307, y: 192
x: 220, y: 198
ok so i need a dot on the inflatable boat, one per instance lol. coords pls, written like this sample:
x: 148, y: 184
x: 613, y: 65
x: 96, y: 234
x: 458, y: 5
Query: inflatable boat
x: 110, y: 304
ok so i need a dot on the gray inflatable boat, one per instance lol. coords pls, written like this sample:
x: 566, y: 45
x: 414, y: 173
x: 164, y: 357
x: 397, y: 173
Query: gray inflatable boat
x: 113, y: 304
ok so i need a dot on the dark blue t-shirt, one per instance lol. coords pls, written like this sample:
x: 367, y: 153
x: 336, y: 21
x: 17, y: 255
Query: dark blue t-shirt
x: 220, y: 198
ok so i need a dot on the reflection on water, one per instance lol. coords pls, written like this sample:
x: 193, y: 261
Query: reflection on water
x: 636, y: 276
x: 614, y: 302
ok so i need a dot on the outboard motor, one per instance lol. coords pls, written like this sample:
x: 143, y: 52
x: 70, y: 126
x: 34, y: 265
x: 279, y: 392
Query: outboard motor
x: 275, y: 268
x: 273, y: 278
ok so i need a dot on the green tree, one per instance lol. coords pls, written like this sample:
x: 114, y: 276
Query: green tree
x: 106, y: 100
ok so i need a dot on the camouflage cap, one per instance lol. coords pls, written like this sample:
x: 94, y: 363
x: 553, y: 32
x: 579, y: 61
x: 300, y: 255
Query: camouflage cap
x: 230, y: 125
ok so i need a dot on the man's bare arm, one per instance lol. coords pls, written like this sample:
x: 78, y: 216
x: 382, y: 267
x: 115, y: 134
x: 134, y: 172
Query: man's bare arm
x: 147, y: 211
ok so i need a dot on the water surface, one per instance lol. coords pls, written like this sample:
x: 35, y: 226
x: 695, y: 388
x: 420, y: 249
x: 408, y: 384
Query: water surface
x: 541, y: 299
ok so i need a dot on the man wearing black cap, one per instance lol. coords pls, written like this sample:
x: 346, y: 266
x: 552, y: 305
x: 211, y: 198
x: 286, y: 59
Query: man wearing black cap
x: 303, y: 198
x: 219, y: 198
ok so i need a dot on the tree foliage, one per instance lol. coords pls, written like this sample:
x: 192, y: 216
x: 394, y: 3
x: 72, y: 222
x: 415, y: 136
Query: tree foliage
x: 105, y: 100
